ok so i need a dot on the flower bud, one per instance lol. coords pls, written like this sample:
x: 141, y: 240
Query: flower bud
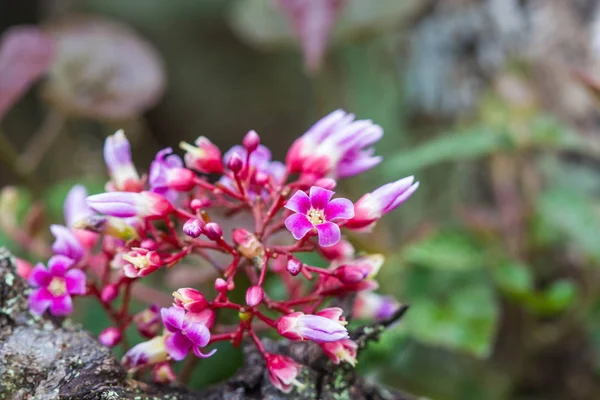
x: 146, y: 353
x: 261, y: 178
x: 205, y: 157
x: 163, y: 373
x: 351, y: 273
x: 109, y: 293
x: 221, y: 285
x: 283, y: 372
x: 111, y: 226
x: 326, y: 326
x: 193, y: 227
x: 326, y: 183
x: 294, y: 266
x: 247, y: 243
x: 110, y: 337
x: 149, y: 244
x: 148, y: 321
x: 342, y: 250
x: 251, y: 141
x: 342, y: 350
x: 189, y: 299
x: 235, y: 163
x: 254, y: 295
x: 213, y: 231
x: 197, y: 204
x: 126, y: 204
x: 23, y: 268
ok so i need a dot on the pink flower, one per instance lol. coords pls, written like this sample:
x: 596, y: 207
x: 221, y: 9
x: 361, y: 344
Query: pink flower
x: 373, y: 306
x: 312, y: 22
x: 55, y: 286
x: 110, y: 337
x: 117, y: 155
x: 189, y: 299
x: 372, y: 206
x: 342, y: 350
x: 316, y: 213
x: 326, y: 326
x: 336, y: 147
x: 168, y: 176
x: 358, y: 270
x: 148, y: 321
x: 205, y: 157
x: 76, y: 212
x: 125, y: 204
x: 146, y: 353
x: 163, y: 373
x: 283, y: 372
x: 65, y: 243
x: 184, y: 334
x: 342, y: 250
x: 141, y: 262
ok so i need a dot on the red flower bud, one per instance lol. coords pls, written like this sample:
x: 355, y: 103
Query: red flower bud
x: 221, y: 285
x: 190, y: 300
x: 109, y: 293
x: 235, y: 163
x: 110, y: 337
x: 213, y: 231
x: 294, y: 266
x: 251, y: 141
x: 254, y: 295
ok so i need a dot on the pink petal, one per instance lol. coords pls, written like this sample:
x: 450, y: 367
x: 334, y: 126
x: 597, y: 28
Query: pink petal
x: 299, y: 225
x: 198, y: 333
x: 59, y: 265
x: 339, y: 208
x: 61, y: 305
x: 200, y: 354
x: 319, y: 197
x: 172, y: 318
x: 39, y: 276
x: 329, y: 234
x: 177, y: 346
x: 75, y: 280
x: 299, y: 202
x: 403, y: 197
x: 40, y: 300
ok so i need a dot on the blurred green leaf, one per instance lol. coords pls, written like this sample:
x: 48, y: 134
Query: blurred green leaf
x: 574, y: 216
x: 446, y: 250
x: 514, y: 278
x: 448, y: 147
x: 559, y: 296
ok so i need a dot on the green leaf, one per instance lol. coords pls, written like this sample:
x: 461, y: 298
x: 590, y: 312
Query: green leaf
x: 514, y: 278
x: 560, y: 296
x: 574, y: 217
x: 447, y: 148
x: 446, y: 250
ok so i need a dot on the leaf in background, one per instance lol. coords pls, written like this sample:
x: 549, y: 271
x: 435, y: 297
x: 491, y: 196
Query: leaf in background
x: 25, y: 55
x: 559, y: 296
x: 446, y: 251
x: 574, y: 216
x: 448, y: 147
x: 514, y: 278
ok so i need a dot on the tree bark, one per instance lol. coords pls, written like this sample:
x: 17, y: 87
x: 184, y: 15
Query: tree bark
x: 49, y: 358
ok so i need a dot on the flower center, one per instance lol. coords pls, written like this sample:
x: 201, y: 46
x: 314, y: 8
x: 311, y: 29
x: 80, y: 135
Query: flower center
x: 316, y: 217
x: 57, y: 286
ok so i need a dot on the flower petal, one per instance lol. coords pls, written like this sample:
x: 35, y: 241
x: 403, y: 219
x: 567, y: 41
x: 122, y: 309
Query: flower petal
x: 172, y: 318
x: 198, y: 333
x: 59, y: 265
x: 200, y: 354
x: 75, y: 207
x: 299, y: 203
x: 299, y: 225
x: 339, y: 208
x: 66, y: 243
x: 178, y: 346
x: 319, y: 197
x: 39, y: 276
x: 329, y: 234
x: 61, y: 305
x: 40, y: 300
x: 75, y: 280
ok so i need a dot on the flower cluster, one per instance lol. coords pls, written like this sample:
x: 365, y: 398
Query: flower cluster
x: 145, y: 224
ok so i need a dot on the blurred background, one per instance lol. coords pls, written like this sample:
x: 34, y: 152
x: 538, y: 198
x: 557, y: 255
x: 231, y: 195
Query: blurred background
x: 491, y: 104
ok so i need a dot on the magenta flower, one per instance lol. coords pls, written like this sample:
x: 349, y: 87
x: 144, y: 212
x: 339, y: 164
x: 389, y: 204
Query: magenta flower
x: 336, y: 146
x: 317, y: 212
x: 117, y: 155
x: 126, y: 204
x: 148, y: 322
x: 168, y: 176
x: 373, y: 306
x: 185, y: 335
x: 283, y: 372
x: 325, y: 326
x: 205, y: 157
x: 55, y: 286
x: 65, y: 243
x: 372, y: 206
x: 342, y: 350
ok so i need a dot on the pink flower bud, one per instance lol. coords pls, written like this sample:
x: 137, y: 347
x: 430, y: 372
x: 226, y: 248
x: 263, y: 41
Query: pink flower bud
x: 197, y: 204
x: 235, y: 163
x: 163, y: 373
x: 282, y: 372
x: 189, y: 299
x: 109, y: 293
x: 149, y: 244
x: 148, y: 321
x: 341, y: 351
x: 357, y: 270
x: 323, y: 327
x: 126, y: 204
x: 221, y: 285
x: 23, y: 268
x: 294, y: 266
x: 251, y: 141
x: 110, y: 337
x: 146, y: 353
x: 342, y: 250
x: 261, y: 178
x: 326, y: 183
x: 205, y: 157
x: 213, y: 231
x: 254, y: 295
x: 193, y: 227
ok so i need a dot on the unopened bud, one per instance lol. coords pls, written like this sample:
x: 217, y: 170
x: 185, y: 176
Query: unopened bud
x: 109, y: 293
x: 197, y: 204
x: 261, y: 179
x: 254, y: 295
x: 193, y: 227
x: 189, y: 299
x: 294, y: 266
x: 221, y: 285
x: 251, y: 141
x: 163, y: 373
x: 213, y: 231
x: 235, y: 163
x: 149, y: 244
x: 110, y: 337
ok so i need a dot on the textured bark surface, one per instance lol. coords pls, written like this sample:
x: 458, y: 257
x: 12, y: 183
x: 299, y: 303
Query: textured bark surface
x: 43, y: 358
